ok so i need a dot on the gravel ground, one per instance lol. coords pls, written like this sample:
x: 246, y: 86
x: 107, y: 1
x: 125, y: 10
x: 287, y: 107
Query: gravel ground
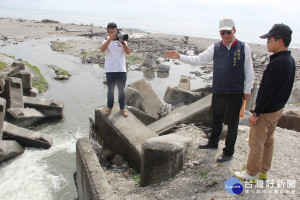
x: 203, y: 178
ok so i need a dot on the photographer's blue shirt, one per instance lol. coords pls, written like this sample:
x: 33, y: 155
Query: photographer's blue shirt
x: 114, y: 57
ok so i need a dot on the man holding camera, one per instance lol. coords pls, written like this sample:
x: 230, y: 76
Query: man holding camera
x: 233, y: 79
x: 115, y: 49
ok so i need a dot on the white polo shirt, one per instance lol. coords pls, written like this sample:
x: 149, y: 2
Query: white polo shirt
x: 114, y: 57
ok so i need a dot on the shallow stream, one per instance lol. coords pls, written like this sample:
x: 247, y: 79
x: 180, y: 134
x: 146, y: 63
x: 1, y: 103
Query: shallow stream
x: 48, y: 174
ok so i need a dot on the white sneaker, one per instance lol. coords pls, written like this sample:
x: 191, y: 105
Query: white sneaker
x: 244, y: 176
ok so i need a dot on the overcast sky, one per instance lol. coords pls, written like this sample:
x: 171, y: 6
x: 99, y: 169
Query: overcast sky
x: 252, y: 14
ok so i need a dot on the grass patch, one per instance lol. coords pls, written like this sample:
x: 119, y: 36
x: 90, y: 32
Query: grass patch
x: 244, y: 167
x: 62, y: 72
x: 62, y: 46
x: 88, y: 55
x: 41, y: 84
x: 137, y: 178
x: 296, y: 103
x: 132, y: 59
x: 2, y: 65
x: 7, y: 55
x: 203, y: 173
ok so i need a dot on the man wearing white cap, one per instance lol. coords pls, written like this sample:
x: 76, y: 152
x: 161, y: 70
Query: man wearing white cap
x: 233, y: 79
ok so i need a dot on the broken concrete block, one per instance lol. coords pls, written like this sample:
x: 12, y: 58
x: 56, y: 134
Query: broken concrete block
x: 123, y: 135
x: 152, y: 104
x: 25, y: 76
x: 14, y: 93
x: 198, y: 111
x: 142, y: 116
x: 184, y: 83
x: 26, y: 137
x: 90, y: 178
x: 162, y: 158
x: 133, y: 97
x: 150, y: 61
x: 24, y: 117
x: 31, y: 93
x: 9, y: 150
x: 175, y: 95
x: 2, y: 115
x: 15, y: 68
x: 290, y: 119
x: 50, y: 108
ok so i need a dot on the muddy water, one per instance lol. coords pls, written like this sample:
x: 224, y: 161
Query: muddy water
x: 48, y: 174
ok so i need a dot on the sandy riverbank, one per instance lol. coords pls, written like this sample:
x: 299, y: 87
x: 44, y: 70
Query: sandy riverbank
x: 201, y: 177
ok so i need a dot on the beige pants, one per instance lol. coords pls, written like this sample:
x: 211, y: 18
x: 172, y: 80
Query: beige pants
x: 261, y: 142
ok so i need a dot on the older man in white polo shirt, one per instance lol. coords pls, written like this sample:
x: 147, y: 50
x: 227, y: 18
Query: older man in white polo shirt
x: 233, y: 79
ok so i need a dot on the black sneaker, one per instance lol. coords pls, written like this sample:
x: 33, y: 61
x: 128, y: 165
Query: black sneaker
x: 207, y: 146
x: 223, y: 158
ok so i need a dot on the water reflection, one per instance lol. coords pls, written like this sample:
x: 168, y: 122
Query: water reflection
x: 163, y: 74
x: 149, y: 74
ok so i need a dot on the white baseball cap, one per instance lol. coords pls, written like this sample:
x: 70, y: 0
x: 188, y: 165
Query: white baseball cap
x: 226, y: 24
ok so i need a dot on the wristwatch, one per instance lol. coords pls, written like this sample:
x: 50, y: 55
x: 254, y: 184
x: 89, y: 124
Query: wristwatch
x: 255, y: 114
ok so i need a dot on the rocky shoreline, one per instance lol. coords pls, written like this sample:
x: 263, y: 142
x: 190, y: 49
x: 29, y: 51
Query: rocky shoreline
x: 84, y: 41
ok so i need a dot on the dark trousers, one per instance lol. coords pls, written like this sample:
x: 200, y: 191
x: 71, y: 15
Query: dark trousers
x: 112, y: 79
x: 225, y: 108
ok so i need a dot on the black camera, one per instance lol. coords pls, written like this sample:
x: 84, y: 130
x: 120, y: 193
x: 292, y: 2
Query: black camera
x: 121, y: 37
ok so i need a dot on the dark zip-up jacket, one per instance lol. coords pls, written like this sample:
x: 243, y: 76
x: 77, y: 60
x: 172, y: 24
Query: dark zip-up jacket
x: 276, y: 84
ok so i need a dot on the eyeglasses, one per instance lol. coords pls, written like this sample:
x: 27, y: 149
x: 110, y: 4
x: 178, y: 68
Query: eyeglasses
x: 270, y: 40
x: 224, y: 32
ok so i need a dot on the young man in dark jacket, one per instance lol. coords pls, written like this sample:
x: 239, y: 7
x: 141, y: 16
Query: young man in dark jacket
x: 274, y: 92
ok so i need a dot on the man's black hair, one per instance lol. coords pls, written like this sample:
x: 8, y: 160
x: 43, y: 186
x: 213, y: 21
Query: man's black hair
x: 286, y: 39
x: 111, y: 25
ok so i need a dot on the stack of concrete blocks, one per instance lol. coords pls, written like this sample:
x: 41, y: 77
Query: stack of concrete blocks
x: 15, y: 82
x: 157, y: 158
x: 36, y: 109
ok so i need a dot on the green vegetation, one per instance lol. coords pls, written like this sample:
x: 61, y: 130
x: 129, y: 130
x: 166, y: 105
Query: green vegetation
x: 7, y: 55
x: 89, y: 55
x: 244, y: 167
x: 62, y: 46
x: 158, y: 62
x: 137, y: 178
x: 62, y: 72
x: 2, y: 65
x: 41, y: 84
x: 203, y: 173
x: 133, y: 59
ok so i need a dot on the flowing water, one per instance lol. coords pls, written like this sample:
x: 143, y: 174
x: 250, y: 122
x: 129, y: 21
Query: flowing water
x: 48, y: 174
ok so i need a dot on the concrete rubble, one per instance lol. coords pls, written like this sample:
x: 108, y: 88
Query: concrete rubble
x: 26, y: 137
x: 151, y: 103
x: 17, y: 111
